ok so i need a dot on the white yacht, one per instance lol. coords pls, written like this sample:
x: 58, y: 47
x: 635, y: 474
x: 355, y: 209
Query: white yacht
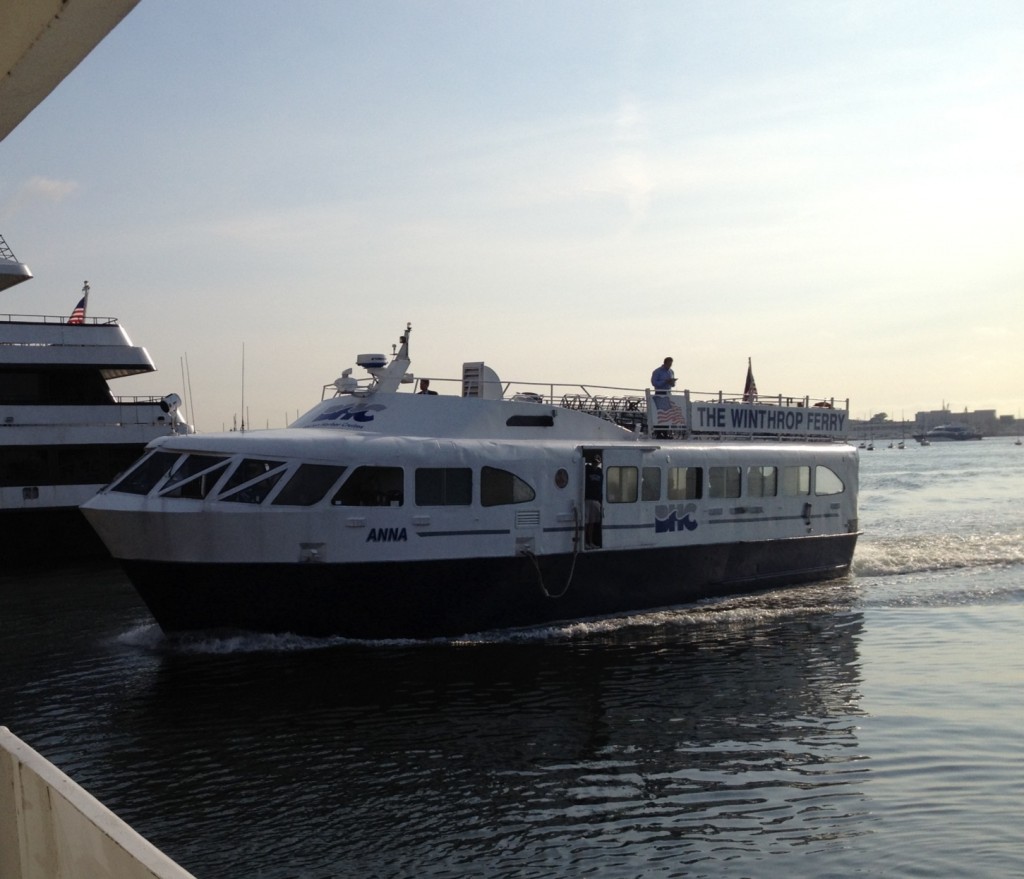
x: 63, y: 435
x: 385, y: 513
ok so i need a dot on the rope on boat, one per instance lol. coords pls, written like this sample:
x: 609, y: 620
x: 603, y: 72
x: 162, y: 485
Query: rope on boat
x: 575, y: 554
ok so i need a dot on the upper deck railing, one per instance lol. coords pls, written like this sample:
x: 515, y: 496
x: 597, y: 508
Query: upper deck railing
x: 53, y: 319
x: 686, y: 414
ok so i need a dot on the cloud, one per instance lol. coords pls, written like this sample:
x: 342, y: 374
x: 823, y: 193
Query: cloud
x: 38, y: 190
x: 48, y: 189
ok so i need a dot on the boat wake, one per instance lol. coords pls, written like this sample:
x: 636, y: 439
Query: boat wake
x: 925, y: 553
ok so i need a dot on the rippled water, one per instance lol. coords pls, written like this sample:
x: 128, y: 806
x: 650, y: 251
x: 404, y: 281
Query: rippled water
x: 867, y: 727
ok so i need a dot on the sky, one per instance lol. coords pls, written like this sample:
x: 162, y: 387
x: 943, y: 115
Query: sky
x: 568, y: 191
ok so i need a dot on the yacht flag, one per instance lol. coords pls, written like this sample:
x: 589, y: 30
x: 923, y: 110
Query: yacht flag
x: 78, y: 315
x: 750, y: 388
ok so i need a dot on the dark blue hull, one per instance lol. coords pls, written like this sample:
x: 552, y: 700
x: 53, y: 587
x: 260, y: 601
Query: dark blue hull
x: 452, y: 597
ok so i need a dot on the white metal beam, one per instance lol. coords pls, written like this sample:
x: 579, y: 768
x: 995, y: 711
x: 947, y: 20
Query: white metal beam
x: 41, y: 42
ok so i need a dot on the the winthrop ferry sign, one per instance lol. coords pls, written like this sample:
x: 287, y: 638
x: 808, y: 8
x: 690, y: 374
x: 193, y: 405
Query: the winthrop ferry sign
x: 752, y: 419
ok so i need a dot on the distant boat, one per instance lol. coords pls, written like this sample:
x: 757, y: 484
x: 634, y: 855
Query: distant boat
x: 947, y: 433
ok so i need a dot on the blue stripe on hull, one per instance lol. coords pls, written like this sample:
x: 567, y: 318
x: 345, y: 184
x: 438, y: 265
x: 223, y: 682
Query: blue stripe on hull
x: 458, y: 596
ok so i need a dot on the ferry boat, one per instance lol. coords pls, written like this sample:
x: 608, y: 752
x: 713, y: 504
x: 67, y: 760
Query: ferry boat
x: 63, y: 435
x: 947, y: 433
x: 387, y: 513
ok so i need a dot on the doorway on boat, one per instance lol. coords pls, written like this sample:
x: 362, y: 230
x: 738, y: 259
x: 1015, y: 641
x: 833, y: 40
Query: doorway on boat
x: 593, y: 498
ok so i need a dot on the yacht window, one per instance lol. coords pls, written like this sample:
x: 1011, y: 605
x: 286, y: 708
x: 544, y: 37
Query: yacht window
x: 24, y: 465
x: 827, y: 481
x: 308, y: 485
x: 72, y: 386
x: 81, y: 465
x: 724, y: 482
x: 444, y: 486
x: 650, y: 485
x: 372, y: 487
x: 146, y: 473
x: 685, y: 483
x: 620, y: 485
x: 499, y: 487
x: 762, y: 481
x: 796, y: 481
x: 20, y: 387
x: 65, y: 464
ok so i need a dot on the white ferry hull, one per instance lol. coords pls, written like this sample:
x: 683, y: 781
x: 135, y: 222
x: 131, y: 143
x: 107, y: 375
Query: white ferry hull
x: 451, y: 597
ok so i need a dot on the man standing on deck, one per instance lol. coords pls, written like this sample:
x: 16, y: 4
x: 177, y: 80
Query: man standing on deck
x: 663, y: 379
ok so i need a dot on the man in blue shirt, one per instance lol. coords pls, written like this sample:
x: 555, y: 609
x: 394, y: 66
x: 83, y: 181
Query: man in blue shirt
x: 663, y: 379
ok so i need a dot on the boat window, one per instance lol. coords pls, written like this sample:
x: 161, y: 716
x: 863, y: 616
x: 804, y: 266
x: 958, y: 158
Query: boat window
x: 372, y: 487
x: 650, y: 484
x: 251, y: 481
x: 199, y: 485
x: 192, y: 466
x: 189, y: 470
x: 530, y: 421
x: 247, y: 470
x: 24, y: 465
x: 685, y: 483
x: 72, y: 386
x: 254, y: 492
x: 827, y: 481
x: 621, y: 485
x: 444, y: 486
x: 724, y: 482
x: 499, y: 487
x: 762, y: 481
x: 146, y: 473
x: 796, y: 481
x: 308, y: 485
x: 17, y: 388
x: 65, y: 464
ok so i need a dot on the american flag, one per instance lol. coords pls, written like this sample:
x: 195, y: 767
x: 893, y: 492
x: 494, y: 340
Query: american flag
x: 750, y: 388
x: 667, y: 411
x: 78, y: 315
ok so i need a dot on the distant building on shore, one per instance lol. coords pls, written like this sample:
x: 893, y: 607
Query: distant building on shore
x: 984, y: 421
x: 987, y: 422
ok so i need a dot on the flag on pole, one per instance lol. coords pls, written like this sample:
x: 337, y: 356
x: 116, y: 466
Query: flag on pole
x: 78, y: 315
x: 750, y: 388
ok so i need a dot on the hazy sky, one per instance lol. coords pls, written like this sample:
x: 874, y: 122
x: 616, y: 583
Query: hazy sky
x: 568, y: 191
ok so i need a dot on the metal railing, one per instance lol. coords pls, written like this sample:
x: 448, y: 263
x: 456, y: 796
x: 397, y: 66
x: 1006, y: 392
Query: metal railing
x: 52, y: 319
